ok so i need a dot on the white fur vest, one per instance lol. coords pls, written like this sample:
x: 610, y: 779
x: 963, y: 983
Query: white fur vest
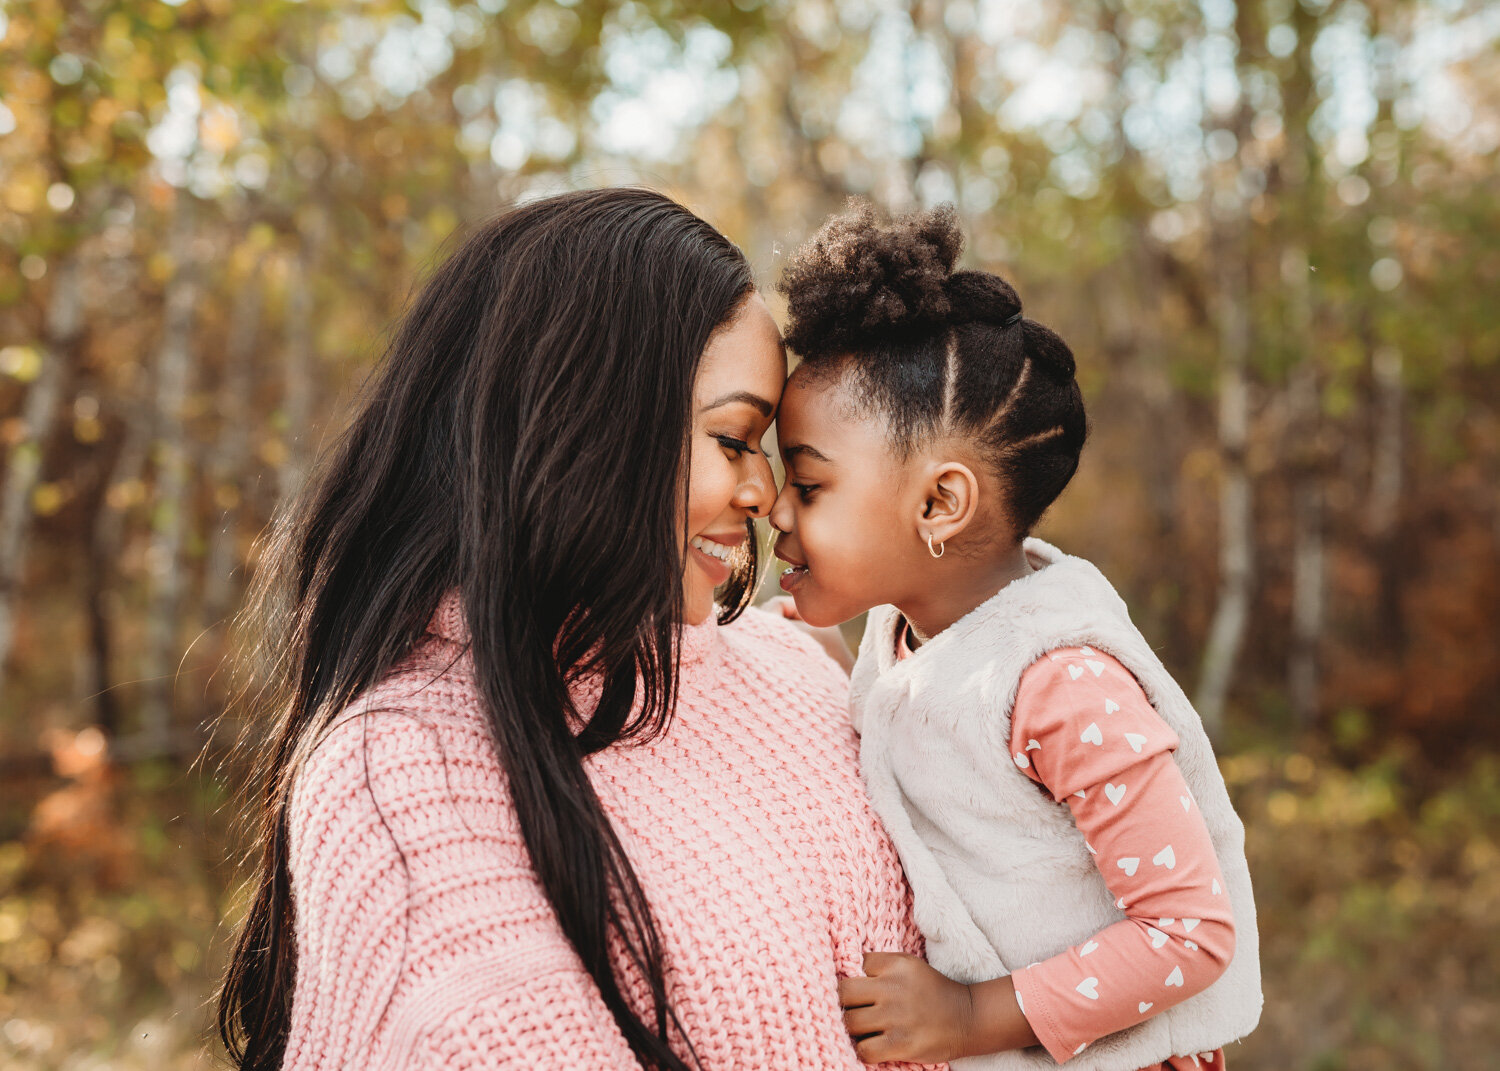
x: 1000, y: 874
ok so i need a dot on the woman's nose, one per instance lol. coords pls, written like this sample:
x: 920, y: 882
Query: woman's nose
x: 757, y: 491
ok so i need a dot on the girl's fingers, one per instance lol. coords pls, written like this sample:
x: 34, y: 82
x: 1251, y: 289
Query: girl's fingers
x: 875, y: 1050
x: 784, y: 605
x: 857, y: 992
x: 877, y: 963
x: 862, y: 1021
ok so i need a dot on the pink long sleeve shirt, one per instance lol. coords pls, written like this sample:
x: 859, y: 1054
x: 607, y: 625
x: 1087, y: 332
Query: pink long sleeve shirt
x: 1128, y: 798
x: 424, y: 940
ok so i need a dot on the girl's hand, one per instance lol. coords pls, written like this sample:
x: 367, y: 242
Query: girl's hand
x: 904, y: 1010
x: 830, y: 639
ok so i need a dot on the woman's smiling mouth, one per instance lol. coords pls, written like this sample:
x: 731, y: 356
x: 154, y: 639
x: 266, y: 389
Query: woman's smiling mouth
x: 716, y: 555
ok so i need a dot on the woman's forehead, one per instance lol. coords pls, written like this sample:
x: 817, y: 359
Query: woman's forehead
x: 745, y: 356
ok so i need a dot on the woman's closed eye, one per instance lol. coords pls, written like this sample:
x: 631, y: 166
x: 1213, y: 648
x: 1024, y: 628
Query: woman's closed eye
x: 805, y: 491
x: 739, y: 447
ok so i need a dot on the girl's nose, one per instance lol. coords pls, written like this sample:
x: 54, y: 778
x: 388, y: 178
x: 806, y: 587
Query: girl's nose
x: 781, y: 511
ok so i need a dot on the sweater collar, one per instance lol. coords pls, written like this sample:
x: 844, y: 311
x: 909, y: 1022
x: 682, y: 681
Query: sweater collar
x: 449, y: 622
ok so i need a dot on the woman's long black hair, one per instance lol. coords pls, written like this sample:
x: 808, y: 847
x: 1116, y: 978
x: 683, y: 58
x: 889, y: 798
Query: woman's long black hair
x: 524, y: 440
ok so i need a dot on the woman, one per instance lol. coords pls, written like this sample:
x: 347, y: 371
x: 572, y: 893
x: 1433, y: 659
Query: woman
x: 533, y: 798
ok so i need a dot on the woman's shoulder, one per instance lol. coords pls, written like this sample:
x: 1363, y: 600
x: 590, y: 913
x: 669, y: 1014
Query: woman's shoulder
x: 395, y: 747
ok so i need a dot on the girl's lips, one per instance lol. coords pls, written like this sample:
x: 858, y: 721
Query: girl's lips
x: 793, y: 577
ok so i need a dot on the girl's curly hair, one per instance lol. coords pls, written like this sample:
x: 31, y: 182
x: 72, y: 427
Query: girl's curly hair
x: 938, y: 351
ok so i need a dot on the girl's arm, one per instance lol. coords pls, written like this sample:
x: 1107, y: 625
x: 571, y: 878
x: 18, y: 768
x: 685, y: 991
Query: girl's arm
x: 1091, y: 739
x: 1083, y: 730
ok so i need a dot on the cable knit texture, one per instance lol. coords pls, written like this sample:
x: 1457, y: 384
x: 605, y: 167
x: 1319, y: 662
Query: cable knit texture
x: 423, y: 936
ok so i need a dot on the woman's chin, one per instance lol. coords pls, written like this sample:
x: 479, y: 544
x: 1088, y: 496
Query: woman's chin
x: 697, y: 600
x: 695, y: 612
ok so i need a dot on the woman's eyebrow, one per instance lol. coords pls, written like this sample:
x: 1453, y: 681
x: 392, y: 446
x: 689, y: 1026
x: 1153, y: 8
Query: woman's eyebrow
x: 766, y: 408
x: 791, y: 452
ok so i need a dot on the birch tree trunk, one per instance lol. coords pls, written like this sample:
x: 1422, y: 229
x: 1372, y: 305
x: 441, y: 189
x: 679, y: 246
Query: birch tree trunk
x: 1383, y: 509
x: 105, y: 543
x: 1305, y: 434
x: 173, y: 465
x: 300, y: 382
x: 1304, y: 388
x: 229, y: 461
x: 1230, y: 287
x: 62, y: 328
x: 1226, y: 633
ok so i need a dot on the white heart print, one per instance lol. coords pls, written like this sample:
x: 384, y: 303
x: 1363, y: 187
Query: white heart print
x: 1135, y: 740
x: 1157, y: 937
x: 1215, y: 889
x: 1190, y: 924
x: 1144, y: 1006
x: 1032, y: 745
x: 1086, y: 651
x: 1086, y: 949
x: 1191, y: 944
x: 1097, y: 667
x: 1187, y: 803
x: 1129, y: 865
x: 1080, y: 1048
x: 1089, y: 987
x: 1092, y: 735
x: 1021, y: 760
x: 1075, y: 672
x: 1115, y: 793
x: 1166, y: 857
x: 1175, y: 978
x: 1110, y: 706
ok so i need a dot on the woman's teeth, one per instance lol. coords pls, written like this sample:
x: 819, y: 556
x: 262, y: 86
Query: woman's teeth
x: 724, y: 553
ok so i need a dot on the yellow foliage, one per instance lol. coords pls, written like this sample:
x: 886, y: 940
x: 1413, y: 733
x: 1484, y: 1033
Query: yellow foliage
x: 21, y: 362
x: 47, y: 499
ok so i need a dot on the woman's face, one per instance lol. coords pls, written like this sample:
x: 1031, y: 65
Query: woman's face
x: 729, y: 477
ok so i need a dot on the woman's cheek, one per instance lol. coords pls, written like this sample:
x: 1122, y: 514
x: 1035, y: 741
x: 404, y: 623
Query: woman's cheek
x: 710, y: 487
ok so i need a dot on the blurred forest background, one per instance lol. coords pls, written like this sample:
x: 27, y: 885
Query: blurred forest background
x: 1270, y: 230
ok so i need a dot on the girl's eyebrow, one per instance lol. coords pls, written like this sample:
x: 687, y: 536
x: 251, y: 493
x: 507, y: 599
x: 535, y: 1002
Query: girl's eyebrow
x: 792, y: 452
x: 765, y: 407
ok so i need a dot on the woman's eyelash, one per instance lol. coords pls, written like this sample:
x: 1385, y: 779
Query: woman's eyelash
x: 739, y: 446
x: 805, y: 490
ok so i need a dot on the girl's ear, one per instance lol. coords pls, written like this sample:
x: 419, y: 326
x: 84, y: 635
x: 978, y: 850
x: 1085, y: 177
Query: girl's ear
x: 951, y: 498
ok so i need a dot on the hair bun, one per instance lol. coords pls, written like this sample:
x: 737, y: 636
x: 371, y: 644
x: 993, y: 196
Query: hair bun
x: 858, y: 279
x: 978, y: 296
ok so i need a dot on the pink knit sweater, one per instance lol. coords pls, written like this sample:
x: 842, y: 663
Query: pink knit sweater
x: 423, y: 937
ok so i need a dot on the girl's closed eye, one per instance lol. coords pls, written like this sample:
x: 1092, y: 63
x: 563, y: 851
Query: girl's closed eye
x: 805, y: 491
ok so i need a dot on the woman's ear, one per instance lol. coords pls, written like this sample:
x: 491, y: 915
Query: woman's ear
x: 950, y: 500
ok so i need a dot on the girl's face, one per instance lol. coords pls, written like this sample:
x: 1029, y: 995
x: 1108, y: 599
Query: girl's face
x: 735, y: 395
x: 848, y: 507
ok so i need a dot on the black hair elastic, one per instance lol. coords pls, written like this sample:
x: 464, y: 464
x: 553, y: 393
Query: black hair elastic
x: 1012, y: 318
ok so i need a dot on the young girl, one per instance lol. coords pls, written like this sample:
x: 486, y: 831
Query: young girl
x: 1079, y: 872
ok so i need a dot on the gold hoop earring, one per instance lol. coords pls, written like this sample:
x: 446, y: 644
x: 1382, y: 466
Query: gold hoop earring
x: 942, y: 547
